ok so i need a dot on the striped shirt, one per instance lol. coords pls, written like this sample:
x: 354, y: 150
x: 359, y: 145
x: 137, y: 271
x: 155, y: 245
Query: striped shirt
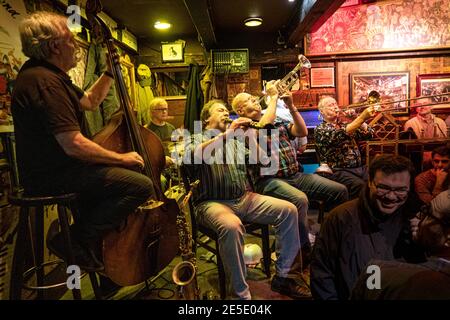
x: 287, y: 155
x: 219, y: 179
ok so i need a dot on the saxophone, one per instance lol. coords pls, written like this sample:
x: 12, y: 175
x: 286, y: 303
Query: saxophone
x: 184, y: 274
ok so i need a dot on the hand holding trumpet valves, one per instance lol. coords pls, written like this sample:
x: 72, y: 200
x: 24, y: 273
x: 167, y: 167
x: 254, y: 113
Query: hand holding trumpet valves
x: 243, y: 122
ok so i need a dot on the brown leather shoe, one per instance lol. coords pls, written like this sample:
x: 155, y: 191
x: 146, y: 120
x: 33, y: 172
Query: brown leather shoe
x: 291, y: 288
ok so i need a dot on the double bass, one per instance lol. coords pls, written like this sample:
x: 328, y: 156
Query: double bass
x: 148, y: 240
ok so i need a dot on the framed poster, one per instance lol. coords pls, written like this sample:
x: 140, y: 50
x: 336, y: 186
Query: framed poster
x: 172, y: 52
x: 322, y: 77
x: 435, y: 85
x: 399, y: 25
x: 392, y: 87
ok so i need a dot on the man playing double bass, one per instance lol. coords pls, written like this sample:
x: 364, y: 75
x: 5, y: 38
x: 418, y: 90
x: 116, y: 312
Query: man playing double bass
x: 53, y: 155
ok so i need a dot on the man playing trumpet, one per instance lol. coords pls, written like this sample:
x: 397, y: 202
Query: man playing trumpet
x: 337, y: 146
x: 288, y: 182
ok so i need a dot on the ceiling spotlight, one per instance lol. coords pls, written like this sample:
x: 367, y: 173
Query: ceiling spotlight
x: 162, y: 25
x: 291, y: 0
x: 253, y: 22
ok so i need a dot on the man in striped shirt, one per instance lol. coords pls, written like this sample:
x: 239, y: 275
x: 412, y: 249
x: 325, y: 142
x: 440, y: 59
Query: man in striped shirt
x: 224, y: 199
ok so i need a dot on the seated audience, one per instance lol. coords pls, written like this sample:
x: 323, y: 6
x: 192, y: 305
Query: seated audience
x: 429, y: 280
x: 337, y: 146
x: 426, y: 125
x: 375, y: 226
x: 430, y: 183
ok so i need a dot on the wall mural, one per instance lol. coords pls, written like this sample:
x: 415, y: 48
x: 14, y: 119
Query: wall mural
x: 383, y: 26
x: 11, y: 56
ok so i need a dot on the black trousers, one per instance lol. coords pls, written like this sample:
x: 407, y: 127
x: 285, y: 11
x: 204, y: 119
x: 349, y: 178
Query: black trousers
x: 353, y: 178
x: 106, y: 196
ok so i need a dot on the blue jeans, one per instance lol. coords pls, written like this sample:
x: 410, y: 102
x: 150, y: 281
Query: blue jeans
x: 226, y: 216
x: 300, y: 187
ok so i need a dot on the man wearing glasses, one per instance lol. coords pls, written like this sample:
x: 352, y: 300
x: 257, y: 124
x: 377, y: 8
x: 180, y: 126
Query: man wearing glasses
x: 432, y: 182
x: 159, y: 114
x: 374, y: 226
x: 422, y: 281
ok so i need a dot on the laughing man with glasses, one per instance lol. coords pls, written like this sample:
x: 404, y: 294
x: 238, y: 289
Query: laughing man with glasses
x: 374, y: 226
x: 428, y: 280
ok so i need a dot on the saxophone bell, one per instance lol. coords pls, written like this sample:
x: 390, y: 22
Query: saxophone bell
x: 184, y: 276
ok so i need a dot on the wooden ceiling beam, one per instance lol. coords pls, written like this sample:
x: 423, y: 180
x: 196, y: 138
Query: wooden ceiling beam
x: 313, y: 13
x: 201, y: 17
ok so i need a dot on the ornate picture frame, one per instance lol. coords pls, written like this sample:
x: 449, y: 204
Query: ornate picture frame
x: 433, y: 84
x: 392, y: 86
x: 129, y: 78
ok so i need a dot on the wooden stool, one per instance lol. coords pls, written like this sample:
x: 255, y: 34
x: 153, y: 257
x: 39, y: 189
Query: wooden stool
x: 24, y: 239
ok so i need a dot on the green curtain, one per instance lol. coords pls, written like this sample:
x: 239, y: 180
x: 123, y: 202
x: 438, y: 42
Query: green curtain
x: 194, y: 98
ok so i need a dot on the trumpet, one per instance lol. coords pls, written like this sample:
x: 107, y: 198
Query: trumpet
x: 253, y: 124
x: 285, y: 84
x: 374, y: 99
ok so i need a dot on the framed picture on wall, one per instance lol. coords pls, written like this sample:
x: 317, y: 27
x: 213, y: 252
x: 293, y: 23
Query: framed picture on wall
x: 322, y: 77
x: 172, y: 52
x: 392, y: 87
x: 379, y: 27
x: 437, y: 86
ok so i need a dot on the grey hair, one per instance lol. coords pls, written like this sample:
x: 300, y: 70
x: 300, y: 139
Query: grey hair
x: 36, y: 32
x: 322, y: 102
x: 156, y: 102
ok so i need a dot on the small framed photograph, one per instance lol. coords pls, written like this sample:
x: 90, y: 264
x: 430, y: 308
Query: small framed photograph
x: 172, y: 52
x: 435, y: 85
x: 322, y: 77
x: 393, y: 88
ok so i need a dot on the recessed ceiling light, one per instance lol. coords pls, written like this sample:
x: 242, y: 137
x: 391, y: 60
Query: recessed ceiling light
x: 253, y: 22
x: 162, y: 25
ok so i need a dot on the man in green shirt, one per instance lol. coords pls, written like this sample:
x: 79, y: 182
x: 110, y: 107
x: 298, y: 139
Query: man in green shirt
x: 159, y: 114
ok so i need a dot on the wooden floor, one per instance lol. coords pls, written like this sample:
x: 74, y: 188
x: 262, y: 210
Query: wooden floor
x: 163, y: 287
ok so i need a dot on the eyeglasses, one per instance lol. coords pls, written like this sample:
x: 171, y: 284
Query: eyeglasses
x: 161, y: 109
x: 383, y: 190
